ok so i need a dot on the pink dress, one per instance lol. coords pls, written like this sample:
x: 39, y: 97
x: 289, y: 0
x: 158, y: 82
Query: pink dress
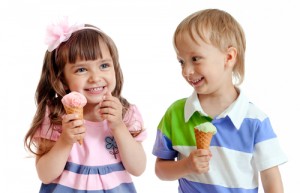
x: 95, y: 166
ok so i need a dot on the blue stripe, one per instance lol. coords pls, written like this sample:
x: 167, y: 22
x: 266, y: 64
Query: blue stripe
x: 101, y: 170
x: 163, y: 147
x: 57, y: 188
x: 252, y: 131
x: 194, y: 187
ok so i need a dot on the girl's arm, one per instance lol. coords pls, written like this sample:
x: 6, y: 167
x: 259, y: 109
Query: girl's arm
x: 131, y: 152
x: 197, y: 162
x: 50, y: 165
x: 271, y: 180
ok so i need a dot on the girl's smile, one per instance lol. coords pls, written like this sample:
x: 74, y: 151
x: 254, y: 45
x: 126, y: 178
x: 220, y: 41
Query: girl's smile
x: 95, y: 90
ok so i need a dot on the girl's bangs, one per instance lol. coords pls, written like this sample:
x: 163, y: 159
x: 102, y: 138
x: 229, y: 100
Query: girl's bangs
x: 83, y: 45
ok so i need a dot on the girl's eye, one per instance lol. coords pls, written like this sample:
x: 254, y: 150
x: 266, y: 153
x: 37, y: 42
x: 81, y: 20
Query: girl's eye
x: 81, y: 70
x: 103, y: 66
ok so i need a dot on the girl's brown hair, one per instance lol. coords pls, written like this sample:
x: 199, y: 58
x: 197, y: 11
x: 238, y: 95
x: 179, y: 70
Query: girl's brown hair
x: 83, y: 45
x: 220, y: 29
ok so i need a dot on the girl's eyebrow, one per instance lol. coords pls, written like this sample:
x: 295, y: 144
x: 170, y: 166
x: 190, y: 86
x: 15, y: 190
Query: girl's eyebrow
x: 106, y: 60
x: 76, y: 65
x: 86, y: 63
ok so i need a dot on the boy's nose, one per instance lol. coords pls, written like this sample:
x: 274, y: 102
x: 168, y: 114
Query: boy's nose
x: 188, y: 70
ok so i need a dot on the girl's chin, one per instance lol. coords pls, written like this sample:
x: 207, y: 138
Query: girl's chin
x: 94, y: 102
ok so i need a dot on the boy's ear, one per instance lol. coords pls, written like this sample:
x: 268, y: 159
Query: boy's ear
x: 231, y: 57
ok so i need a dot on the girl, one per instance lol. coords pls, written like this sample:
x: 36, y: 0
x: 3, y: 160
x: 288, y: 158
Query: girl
x: 83, y: 58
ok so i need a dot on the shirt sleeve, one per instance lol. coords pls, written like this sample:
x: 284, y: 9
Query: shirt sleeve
x: 268, y: 152
x: 134, y: 122
x: 163, y: 146
x: 48, y: 130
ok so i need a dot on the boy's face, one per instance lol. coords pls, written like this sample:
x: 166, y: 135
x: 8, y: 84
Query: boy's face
x: 204, y: 66
x: 92, y: 78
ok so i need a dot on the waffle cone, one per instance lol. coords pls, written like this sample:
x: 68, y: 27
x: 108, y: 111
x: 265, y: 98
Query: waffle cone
x: 203, y: 139
x: 75, y: 110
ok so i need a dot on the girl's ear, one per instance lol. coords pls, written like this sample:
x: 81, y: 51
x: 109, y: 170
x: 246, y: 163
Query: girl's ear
x: 231, y: 57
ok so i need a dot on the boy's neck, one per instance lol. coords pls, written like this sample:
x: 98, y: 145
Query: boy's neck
x: 214, y: 104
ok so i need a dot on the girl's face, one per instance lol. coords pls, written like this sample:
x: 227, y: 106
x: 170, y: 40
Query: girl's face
x: 204, y: 66
x: 92, y: 77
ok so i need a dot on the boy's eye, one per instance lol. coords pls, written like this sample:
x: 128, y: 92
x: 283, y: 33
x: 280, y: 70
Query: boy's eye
x: 181, y: 62
x: 195, y: 58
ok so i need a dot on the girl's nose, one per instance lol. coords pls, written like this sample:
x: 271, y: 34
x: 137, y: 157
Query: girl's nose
x: 95, y: 77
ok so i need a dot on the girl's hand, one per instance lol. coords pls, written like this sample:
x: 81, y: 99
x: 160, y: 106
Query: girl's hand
x: 198, y: 161
x: 72, y: 128
x: 111, y: 110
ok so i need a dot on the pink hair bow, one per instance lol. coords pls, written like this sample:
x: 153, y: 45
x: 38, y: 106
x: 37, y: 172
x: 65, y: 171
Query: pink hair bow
x: 60, y: 32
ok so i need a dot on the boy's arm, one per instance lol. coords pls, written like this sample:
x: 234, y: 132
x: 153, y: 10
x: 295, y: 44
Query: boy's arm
x: 197, y: 162
x: 271, y: 180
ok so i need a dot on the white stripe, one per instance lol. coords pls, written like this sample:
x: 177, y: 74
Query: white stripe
x: 228, y: 168
x: 255, y: 113
x: 269, y: 154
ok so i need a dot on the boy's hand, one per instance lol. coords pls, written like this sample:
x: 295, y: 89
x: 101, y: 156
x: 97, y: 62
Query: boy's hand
x: 198, y: 161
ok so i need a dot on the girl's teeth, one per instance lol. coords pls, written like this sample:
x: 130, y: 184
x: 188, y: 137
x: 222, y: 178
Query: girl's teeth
x: 96, y: 89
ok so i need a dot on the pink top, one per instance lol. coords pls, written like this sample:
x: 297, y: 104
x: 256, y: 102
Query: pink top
x: 96, y: 164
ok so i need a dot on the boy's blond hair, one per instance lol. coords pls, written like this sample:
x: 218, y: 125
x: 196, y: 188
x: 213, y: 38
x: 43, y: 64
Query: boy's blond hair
x: 220, y: 29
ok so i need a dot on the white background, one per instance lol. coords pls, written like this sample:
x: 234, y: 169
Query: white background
x: 143, y: 33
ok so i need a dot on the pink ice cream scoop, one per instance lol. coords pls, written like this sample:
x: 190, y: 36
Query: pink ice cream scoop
x: 74, y: 99
x: 73, y: 104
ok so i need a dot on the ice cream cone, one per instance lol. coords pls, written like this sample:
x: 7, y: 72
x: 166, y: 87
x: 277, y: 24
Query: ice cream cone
x: 73, y: 104
x: 203, y: 134
x: 203, y: 139
x: 75, y: 110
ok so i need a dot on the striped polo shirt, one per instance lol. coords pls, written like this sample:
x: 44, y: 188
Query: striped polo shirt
x: 244, y: 145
